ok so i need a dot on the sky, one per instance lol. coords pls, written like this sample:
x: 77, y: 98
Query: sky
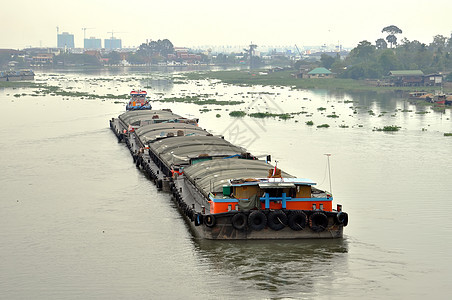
x: 192, y: 23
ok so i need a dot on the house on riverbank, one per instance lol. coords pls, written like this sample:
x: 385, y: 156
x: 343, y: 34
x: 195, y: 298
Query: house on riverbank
x: 406, y: 78
x: 433, y: 79
x: 320, y: 73
x: 414, y: 78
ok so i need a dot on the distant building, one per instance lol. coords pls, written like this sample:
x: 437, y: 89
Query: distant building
x: 433, y: 79
x: 320, y: 73
x: 43, y: 59
x: 10, y: 51
x: 65, y: 40
x: 406, y: 77
x: 92, y: 43
x: 94, y: 53
x: 113, y: 43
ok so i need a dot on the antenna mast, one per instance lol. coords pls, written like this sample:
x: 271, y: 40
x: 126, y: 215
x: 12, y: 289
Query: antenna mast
x: 329, y: 170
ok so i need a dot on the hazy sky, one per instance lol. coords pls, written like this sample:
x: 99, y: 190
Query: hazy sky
x: 197, y: 22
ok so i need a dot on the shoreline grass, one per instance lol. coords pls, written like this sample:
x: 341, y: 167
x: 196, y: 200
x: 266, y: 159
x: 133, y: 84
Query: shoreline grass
x: 285, y: 78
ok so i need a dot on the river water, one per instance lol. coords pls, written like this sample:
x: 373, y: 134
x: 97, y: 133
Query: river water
x: 79, y: 221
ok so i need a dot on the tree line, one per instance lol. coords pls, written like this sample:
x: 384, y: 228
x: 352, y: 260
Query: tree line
x: 374, y: 61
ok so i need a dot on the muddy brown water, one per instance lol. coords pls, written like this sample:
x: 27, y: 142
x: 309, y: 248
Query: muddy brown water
x: 79, y: 221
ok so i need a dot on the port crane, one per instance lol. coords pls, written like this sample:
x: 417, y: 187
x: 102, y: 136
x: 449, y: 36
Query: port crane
x: 301, y: 56
x: 84, y: 32
x: 113, y: 32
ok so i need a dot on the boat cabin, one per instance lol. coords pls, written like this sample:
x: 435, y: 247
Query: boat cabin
x: 271, y: 193
x: 138, y: 100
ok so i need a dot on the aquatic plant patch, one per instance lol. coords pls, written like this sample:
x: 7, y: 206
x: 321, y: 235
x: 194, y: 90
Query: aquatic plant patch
x: 237, y: 113
x: 389, y: 128
x: 198, y: 101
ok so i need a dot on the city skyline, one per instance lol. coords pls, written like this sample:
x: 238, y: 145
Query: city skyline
x: 199, y: 22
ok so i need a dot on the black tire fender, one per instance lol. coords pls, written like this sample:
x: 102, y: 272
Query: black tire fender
x: 342, y: 218
x: 239, y: 221
x: 257, y: 220
x: 209, y: 220
x: 277, y: 220
x: 298, y: 220
x: 318, y: 221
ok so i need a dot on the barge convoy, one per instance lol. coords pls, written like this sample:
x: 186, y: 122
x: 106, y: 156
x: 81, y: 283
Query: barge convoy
x: 223, y: 191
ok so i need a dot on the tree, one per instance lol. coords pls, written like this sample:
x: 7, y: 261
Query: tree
x: 439, y: 43
x: 363, y: 51
x: 326, y: 60
x: 250, y: 53
x: 392, y: 39
x: 392, y: 30
x: 388, y: 61
x: 165, y: 47
x: 381, y: 44
x: 155, y: 50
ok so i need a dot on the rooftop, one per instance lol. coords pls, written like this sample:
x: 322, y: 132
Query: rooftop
x: 319, y: 71
x: 406, y: 73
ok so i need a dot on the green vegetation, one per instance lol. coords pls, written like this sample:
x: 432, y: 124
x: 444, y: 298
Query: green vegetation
x: 270, y: 115
x: 260, y: 115
x: 282, y: 78
x: 43, y: 89
x: 448, y: 134
x: 71, y: 59
x: 236, y: 113
x: 57, y: 91
x: 285, y: 78
x: 389, y: 128
x: 197, y: 100
x: 309, y: 123
x: 323, y: 126
x: 375, y: 61
x: 17, y: 84
x: 365, y: 61
x: 218, y: 115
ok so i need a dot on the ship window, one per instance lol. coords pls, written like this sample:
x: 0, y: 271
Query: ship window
x: 274, y: 192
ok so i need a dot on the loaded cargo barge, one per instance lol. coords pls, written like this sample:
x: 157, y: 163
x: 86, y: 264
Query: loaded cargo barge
x: 223, y: 191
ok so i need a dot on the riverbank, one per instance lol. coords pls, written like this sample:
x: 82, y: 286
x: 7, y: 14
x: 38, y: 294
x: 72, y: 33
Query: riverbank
x: 17, y: 84
x: 285, y: 78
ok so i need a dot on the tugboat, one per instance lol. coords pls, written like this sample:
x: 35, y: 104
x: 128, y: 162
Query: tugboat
x: 138, y: 101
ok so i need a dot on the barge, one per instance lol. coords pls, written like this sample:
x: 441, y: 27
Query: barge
x: 17, y: 75
x: 223, y: 191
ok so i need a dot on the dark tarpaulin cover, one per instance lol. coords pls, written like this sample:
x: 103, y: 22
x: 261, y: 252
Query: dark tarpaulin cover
x: 252, y: 202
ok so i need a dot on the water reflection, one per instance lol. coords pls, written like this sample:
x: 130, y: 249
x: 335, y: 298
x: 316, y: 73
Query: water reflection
x: 157, y: 84
x: 127, y: 70
x: 288, y: 267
